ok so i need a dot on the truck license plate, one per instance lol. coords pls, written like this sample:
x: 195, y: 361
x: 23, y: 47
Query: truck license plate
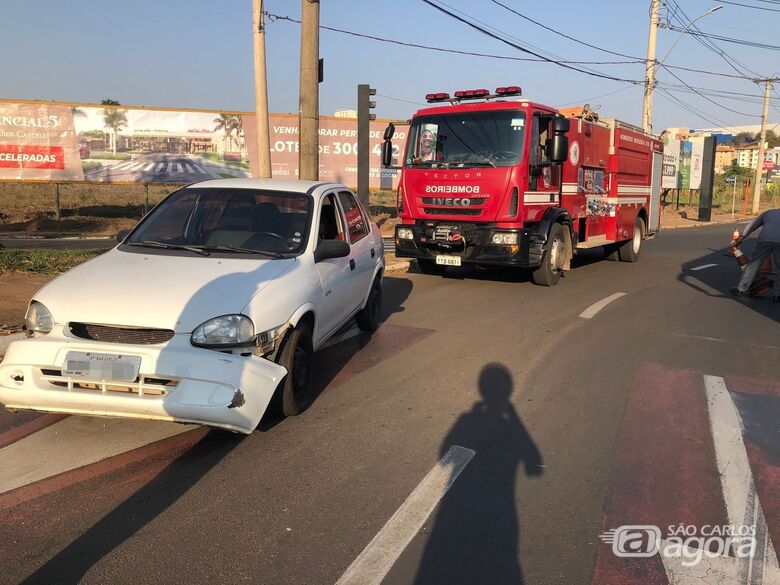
x: 102, y: 366
x: 448, y: 260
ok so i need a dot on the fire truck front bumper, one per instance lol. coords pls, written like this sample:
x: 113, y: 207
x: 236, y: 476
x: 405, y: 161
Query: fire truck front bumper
x: 474, y: 245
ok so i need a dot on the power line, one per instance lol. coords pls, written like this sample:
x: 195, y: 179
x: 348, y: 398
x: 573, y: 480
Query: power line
x: 725, y: 39
x: 585, y: 100
x: 275, y: 17
x: 565, y: 36
x: 525, y: 50
x: 749, y: 6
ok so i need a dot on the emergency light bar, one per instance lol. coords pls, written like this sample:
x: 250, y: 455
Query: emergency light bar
x: 437, y: 97
x: 509, y: 90
x: 472, y: 94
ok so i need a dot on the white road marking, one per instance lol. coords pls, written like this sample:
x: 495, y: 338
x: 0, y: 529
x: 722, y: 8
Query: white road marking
x: 149, y: 167
x: 189, y: 168
x: 743, y: 507
x: 159, y: 167
x: 121, y: 165
x: 371, y: 566
x: 75, y: 442
x: 135, y: 167
x: 702, y: 267
x: 178, y: 168
x: 591, y: 311
x: 199, y: 169
x: 170, y: 167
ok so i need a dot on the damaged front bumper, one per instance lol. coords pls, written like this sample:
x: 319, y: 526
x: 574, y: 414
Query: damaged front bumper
x: 175, y: 382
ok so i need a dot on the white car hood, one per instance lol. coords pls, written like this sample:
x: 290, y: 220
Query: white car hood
x: 157, y: 290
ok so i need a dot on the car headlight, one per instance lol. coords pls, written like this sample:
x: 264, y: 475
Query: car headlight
x: 224, y: 330
x: 38, y: 318
x: 505, y: 239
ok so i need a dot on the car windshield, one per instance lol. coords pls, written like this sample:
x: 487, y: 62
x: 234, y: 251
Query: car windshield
x: 467, y: 139
x: 230, y: 221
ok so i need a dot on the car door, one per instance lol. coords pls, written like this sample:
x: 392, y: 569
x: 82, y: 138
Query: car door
x: 364, y: 249
x: 338, y: 299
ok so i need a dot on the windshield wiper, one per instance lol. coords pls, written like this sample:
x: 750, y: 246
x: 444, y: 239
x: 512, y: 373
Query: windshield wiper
x: 163, y: 245
x: 240, y: 250
x: 478, y: 163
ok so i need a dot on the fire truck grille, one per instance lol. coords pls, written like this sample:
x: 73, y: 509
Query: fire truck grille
x: 451, y: 211
x: 132, y: 335
x: 473, y: 200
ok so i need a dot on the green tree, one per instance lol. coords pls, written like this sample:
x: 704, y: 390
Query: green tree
x: 744, y: 138
x: 229, y: 124
x: 113, y: 119
x: 772, y: 139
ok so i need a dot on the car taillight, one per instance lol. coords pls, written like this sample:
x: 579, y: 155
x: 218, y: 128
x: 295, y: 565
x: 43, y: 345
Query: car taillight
x: 399, y: 201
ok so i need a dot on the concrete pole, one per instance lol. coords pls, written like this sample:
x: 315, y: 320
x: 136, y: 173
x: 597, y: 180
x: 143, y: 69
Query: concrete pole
x: 261, y: 93
x: 647, y: 105
x: 309, y: 114
x: 760, y: 164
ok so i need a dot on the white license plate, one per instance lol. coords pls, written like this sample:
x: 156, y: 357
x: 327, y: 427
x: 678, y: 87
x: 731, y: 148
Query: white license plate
x: 448, y: 260
x: 102, y: 366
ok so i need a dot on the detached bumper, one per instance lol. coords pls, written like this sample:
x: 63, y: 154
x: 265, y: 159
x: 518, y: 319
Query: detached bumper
x: 176, y: 382
x: 478, y: 249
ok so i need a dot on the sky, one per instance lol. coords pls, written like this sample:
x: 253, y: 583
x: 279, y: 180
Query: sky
x: 198, y: 54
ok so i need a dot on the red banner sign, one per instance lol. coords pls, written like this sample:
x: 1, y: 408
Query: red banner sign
x: 31, y: 157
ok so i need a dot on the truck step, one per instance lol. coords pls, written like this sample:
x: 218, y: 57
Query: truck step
x: 594, y: 242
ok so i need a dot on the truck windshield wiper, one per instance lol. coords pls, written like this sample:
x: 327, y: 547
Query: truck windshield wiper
x: 163, y: 245
x: 478, y: 163
x: 240, y: 250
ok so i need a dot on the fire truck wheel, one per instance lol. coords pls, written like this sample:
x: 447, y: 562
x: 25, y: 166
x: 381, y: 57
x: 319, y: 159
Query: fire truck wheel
x: 629, y: 250
x: 430, y: 267
x: 551, y: 268
x: 611, y: 252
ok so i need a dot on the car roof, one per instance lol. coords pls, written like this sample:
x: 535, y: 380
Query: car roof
x: 291, y: 185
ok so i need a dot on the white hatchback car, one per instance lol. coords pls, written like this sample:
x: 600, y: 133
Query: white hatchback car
x: 213, y: 302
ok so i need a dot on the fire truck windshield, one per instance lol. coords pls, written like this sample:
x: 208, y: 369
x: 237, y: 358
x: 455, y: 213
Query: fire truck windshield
x: 466, y: 139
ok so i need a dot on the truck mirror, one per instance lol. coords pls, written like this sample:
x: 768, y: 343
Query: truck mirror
x: 387, y: 153
x: 560, y: 125
x: 560, y: 148
x: 389, y: 131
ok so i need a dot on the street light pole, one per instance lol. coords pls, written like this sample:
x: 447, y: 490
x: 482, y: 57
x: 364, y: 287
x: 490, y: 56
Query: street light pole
x: 650, y: 63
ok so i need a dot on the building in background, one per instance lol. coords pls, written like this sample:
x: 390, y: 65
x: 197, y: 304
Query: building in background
x: 346, y: 114
x: 724, y: 156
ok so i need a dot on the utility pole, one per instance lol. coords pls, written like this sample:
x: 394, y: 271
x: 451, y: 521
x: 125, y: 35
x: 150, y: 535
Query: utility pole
x: 760, y: 163
x: 365, y: 105
x: 309, y: 101
x: 261, y: 93
x: 647, y: 105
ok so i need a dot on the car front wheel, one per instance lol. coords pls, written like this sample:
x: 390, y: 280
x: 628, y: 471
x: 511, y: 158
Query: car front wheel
x: 296, y: 357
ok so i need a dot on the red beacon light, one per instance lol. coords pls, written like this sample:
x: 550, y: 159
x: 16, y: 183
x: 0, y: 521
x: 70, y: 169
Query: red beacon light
x: 509, y: 90
x: 472, y: 94
x: 436, y: 97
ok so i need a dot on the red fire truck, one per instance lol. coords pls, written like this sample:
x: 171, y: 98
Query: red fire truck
x: 491, y: 179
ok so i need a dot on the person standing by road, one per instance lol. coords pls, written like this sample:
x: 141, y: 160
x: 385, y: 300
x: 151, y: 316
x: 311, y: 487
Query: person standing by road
x: 768, y: 243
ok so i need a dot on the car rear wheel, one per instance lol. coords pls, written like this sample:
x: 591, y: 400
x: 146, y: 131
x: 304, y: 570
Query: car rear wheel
x: 296, y: 357
x: 430, y: 267
x: 369, y: 316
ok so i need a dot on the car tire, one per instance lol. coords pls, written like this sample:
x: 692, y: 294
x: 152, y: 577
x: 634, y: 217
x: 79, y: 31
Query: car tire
x: 296, y: 357
x: 430, y: 267
x: 629, y: 250
x: 549, y: 271
x: 368, y: 317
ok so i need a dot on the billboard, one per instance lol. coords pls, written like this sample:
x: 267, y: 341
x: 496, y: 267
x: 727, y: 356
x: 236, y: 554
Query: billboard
x: 671, y: 163
x: 53, y: 141
x: 683, y: 162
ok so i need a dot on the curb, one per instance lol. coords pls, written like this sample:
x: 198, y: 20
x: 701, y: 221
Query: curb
x: 397, y: 266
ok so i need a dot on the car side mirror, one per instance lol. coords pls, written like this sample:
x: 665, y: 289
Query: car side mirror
x: 328, y: 249
x: 121, y: 235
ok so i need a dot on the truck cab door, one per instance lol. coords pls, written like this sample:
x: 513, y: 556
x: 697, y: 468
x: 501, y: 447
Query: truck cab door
x: 544, y: 180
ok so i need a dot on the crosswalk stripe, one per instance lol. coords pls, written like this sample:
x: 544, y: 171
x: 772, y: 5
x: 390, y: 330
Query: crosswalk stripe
x: 135, y: 167
x: 159, y: 167
x: 122, y: 165
x: 178, y: 168
x: 149, y: 166
x: 189, y: 168
x: 200, y: 170
x: 170, y: 167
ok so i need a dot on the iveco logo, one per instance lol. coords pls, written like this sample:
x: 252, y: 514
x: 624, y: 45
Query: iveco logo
x: 452, y: 201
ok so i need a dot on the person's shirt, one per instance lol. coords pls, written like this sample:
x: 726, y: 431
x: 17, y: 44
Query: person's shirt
x: 770, y: 222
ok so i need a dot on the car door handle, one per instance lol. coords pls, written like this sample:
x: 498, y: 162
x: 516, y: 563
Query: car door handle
x: 352, y: 265
x: 373, y: 252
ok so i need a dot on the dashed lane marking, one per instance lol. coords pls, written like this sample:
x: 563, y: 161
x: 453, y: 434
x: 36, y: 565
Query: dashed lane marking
x: 591, y: 311
x: 371, y: 566
x: 74, y: 442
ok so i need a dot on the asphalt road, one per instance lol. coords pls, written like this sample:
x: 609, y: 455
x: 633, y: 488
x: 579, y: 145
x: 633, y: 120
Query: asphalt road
x: 574, y: 425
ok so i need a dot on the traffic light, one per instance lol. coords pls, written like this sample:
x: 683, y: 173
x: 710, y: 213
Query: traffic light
x: 365, y: 105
